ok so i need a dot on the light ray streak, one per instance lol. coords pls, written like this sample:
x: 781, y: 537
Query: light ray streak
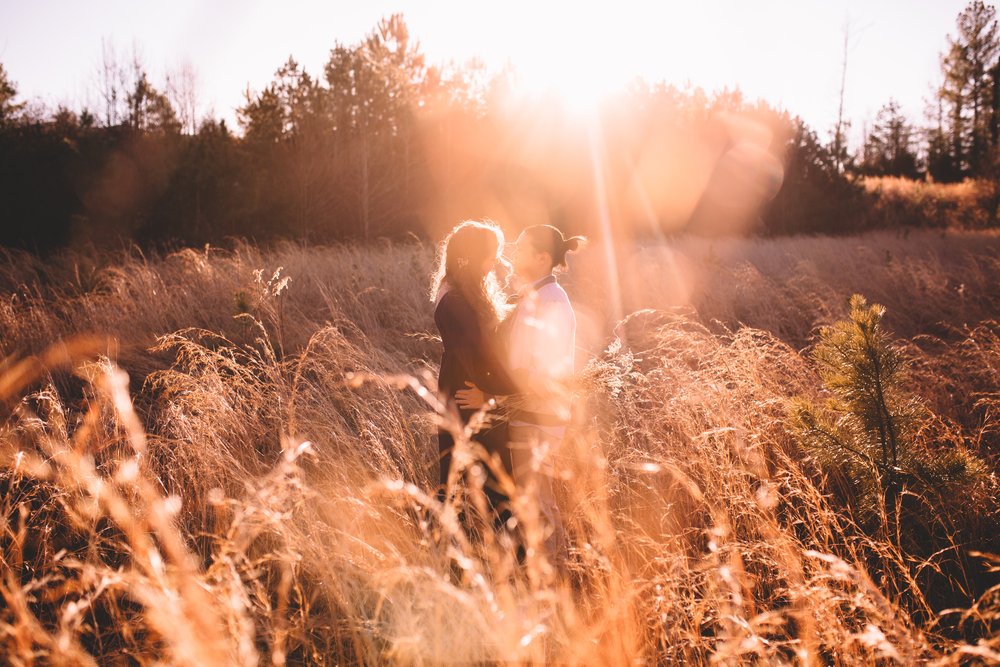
x: 604, y: 217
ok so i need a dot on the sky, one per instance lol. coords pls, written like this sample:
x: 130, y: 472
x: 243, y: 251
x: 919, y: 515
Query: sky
x: 788, y: 52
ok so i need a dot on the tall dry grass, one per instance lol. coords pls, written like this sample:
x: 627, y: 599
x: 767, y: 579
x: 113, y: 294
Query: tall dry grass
x: 904, y: 202
x: 257, y: 488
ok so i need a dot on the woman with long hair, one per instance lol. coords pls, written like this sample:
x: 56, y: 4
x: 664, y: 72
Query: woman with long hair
x: 540, y: 336
x: 469, y: 308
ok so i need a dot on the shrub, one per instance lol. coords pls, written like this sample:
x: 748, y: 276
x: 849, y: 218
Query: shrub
x: 877, y: 441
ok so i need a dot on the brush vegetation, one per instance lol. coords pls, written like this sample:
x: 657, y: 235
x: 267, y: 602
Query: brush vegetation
x: 226, y: 456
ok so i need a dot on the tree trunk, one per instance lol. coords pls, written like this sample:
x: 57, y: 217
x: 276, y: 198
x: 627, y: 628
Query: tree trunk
x: 365, y: 188
x: 995, y: 106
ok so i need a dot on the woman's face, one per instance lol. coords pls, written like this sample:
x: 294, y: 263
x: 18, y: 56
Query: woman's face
x: 489, y: 262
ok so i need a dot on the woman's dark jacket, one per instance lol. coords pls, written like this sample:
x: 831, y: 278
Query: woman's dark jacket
x: 472, y: 353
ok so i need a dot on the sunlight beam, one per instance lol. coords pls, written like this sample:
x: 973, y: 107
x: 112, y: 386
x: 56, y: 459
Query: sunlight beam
x: 595, y: 141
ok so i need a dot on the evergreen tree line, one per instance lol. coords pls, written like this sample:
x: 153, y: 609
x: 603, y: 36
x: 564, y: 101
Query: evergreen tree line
x: 961, y: 140
x: 382, y: 144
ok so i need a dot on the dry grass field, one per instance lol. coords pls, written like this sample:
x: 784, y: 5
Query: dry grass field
x: 225, y: 456
x: 969, y: 204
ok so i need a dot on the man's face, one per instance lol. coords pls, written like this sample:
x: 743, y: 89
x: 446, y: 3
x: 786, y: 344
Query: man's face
x: 527, y: 261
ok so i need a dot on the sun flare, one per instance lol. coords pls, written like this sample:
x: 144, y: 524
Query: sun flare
x: 578, y: 75
x: 577, y: 91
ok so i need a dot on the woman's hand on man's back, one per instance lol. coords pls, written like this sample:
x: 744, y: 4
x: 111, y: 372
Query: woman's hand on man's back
x: 472, y: 398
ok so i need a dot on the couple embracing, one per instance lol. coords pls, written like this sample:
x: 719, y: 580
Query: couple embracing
x: 508, y: 338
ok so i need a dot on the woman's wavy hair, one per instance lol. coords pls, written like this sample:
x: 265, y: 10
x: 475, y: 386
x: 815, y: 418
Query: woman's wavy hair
x: 459, y: 259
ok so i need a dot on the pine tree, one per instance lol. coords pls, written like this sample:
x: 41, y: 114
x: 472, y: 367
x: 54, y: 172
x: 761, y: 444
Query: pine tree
x: 978, y: 32
x: 9, y: 110
x: 939, y: 164
x: 149, y: 109
x: 302, y: 100
x: 262, y: 117
x: 969, y: 66
x: 888, y: 149
x: 374, y: 88
x: 867, y: 433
